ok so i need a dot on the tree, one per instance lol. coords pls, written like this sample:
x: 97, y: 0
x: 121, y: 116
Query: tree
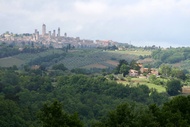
x: 165, y: 70
x: 121, y: 62
x: 52, y: 115
x: 173, y: 87
x: 10, y: 114
x: 134, y: 65
x: 59, y: 67
x: 174, y: 113
x: 124, y: 69
x: 128, y: 115
x: 176, y: 72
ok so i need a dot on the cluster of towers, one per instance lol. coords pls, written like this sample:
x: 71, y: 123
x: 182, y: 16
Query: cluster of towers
x: 49, y: 34
x: 46, y: 35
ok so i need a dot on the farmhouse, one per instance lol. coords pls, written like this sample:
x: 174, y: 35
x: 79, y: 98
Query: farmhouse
x: 35, y: 67
x: 186, y: 89
x: 149, y: 71
x: 133, y: 73
x: 154, y: 71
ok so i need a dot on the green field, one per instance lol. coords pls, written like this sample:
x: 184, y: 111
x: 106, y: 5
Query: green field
x: 157, y: 87
x: 10, y: 61
x: 143, y: 81
x: 132, y: 52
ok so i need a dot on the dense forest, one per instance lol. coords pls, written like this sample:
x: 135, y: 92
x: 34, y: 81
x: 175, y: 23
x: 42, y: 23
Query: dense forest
x: 92, y: 97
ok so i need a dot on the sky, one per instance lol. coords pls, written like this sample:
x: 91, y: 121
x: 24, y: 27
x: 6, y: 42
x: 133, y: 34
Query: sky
x: 138, y: 22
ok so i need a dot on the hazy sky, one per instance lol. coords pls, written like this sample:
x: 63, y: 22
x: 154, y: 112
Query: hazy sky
x: 139, y: 22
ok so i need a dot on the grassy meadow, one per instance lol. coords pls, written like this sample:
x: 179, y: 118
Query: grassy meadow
x: 142, y: 81
x: 10, y: 61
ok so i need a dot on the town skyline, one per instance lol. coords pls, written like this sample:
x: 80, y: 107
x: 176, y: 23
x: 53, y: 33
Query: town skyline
x: 51, y: 39
x: 139, y: 22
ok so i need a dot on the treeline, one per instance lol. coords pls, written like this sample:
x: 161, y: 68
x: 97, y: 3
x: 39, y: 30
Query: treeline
x: 174, y: 113
x: 23, y: 94
x: 171, y: 55
x: 10, y: 50
x: 171, y: 72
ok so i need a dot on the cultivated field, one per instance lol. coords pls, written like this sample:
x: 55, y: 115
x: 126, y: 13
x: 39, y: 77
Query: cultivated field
x: 96, y: 65
x: 133, y: 52
x: 94, y: 58
x: 10, y: 61
x: 146, y: 60
x: 24, y: 58
x: 112, y: 62
x: 88, y: 58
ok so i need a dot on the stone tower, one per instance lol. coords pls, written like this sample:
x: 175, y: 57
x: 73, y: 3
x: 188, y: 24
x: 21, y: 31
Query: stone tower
x: 58, y: 32
x: 49, y: 34
x: 36, y: 31
x: 53, y: 33
x: 65, y: 34
x: 43, y: 30
x: 37, y: 35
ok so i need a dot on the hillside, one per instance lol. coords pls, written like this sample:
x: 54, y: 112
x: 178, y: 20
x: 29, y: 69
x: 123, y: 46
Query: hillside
x: 176, y: 57
x: 89, y: 58
x: 28, y: 91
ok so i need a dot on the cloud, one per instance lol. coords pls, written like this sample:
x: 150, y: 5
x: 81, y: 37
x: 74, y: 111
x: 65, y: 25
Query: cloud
x: 149, y: 8
x: 90, y: 7
x: 123, y: 20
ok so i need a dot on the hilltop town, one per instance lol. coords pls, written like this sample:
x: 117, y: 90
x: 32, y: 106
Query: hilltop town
x: 52, y: 39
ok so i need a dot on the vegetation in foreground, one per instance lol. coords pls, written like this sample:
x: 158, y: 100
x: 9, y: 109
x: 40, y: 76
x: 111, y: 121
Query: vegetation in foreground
x: 174, y: 113
x: 92, y: 97
x: 31, y: 95
x: 53, y: 95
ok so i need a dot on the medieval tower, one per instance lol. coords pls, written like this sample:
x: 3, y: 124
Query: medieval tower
x: 58, y: 32
x: 43, y: 30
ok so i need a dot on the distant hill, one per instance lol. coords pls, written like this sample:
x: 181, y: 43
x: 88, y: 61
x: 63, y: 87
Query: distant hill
x: 80, y: 58
x: 176, y: 57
